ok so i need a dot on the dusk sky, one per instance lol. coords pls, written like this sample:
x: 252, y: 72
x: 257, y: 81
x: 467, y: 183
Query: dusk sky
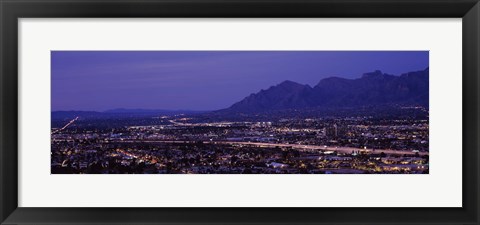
x: 202, y: 80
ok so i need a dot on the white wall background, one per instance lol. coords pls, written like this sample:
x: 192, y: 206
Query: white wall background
x: 441, y: 188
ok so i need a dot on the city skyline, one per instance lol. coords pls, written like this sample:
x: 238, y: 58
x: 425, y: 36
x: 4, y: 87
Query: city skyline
x: 202, y: 80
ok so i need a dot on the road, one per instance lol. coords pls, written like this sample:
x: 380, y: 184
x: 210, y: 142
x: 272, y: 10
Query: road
x: 294, y: 146
x: 65, y: 127
x: 323, y: 148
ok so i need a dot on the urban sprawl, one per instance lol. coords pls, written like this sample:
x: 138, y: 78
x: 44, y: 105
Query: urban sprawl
x: 184, y: 144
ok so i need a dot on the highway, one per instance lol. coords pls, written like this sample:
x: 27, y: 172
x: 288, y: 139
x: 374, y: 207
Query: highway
x: 294, y: 146
x: 323, y: 148
x: 64, y: 127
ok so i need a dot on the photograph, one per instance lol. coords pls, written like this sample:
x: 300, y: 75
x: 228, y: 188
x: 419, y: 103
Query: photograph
x: 239, y: 112
x: 313, y: 112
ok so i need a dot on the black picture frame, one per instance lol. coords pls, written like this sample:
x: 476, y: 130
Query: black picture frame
x: 12, y: 10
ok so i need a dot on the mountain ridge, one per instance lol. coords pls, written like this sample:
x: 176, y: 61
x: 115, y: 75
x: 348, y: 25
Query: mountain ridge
x: 371, y: 89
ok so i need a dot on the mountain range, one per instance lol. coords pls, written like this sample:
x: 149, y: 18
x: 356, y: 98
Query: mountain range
x: 374, y: 89
x: 371, y: 89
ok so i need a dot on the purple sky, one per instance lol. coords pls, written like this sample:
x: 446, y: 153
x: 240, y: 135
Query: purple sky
x: 202, y: 80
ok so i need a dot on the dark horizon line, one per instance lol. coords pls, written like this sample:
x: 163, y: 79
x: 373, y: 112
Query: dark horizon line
x: 127, y: 110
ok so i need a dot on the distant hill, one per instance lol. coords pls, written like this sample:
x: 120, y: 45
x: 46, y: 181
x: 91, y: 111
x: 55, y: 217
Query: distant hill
x: 287, y: 94
x: 147, y: 111
x: 68, y: 115
x: 371, y: 89
x: 117, y: 113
